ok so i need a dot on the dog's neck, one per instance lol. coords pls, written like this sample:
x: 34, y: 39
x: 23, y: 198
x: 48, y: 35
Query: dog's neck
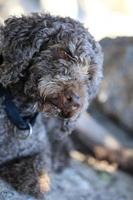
x: 25, y: 104
x: 19, y: 109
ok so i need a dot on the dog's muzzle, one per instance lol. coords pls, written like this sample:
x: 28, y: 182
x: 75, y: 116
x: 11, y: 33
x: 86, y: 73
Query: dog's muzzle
x: 67, y: 102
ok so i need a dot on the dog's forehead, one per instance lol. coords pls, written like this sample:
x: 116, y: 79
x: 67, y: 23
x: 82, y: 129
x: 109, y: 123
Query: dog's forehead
x: 78, y: 49
x: 71, y: 34
x: 74, y: 40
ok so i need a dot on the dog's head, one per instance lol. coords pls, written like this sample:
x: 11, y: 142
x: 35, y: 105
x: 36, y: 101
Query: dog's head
x: 60, y: 61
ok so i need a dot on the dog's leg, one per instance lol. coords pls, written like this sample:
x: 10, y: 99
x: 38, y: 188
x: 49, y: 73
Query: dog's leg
x: 61, y: 143
x: 28, y: 175
x: 61, y: 153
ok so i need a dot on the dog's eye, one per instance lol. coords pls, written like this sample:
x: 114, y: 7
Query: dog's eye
x: 65, y: 54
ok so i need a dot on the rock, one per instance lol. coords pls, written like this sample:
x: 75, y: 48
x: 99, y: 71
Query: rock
x: 81, y: 182
x: 116, y: 94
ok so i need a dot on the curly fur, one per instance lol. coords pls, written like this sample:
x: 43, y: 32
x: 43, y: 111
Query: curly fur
x: 42, y: 56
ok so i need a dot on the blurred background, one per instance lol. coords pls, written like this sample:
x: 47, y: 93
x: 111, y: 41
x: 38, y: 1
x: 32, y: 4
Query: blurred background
x: 103, y: 17
x: 107, y: 129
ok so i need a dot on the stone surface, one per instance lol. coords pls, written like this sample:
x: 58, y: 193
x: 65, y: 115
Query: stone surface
x: 116, y: 94
x: 84, y: 183
x: 81, y: 182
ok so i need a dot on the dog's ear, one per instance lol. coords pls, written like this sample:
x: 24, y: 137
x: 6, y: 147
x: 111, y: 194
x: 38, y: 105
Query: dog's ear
x: 23, y: 37
x: 95, y: 71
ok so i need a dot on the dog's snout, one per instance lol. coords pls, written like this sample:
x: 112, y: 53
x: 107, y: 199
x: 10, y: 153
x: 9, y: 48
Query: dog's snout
x: 68, y: 103
x: 71, y: 100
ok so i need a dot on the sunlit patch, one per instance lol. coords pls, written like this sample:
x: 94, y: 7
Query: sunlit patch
x: 44, y: 182
x: 102, y: 165
x: 111, y: 142
x: 103, y: 97
x: 96, y: 164
x: 78, y: 156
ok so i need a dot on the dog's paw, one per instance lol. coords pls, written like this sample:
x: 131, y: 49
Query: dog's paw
x: 27, y: 175
x: 44, y: 182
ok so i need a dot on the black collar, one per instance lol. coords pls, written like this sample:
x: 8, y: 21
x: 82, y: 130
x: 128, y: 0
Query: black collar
x: 12, y: 112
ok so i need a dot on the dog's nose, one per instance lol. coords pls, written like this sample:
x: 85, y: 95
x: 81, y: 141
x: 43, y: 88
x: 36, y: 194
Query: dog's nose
x: 70, y: 99
x: 70, y: 103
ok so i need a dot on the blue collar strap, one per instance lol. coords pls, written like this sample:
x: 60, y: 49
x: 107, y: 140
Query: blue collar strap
x: 12, y: 112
